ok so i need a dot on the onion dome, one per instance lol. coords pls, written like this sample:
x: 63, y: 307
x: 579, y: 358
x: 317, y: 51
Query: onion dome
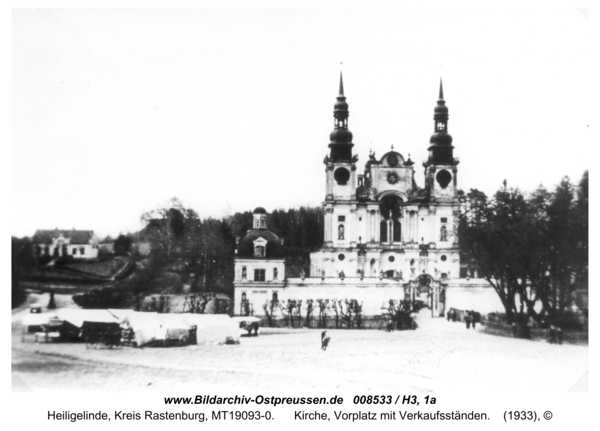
x: 341, y: 135
x: 440, y: 139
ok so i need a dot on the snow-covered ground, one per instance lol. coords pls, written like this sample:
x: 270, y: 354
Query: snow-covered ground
x: 438, y: 356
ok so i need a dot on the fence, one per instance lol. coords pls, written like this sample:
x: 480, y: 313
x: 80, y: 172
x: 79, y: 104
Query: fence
x: 506, y: 330
x: 371, y: 322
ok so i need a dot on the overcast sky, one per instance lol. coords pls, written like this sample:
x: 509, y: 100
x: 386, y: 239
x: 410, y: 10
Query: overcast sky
x: 115, y: 111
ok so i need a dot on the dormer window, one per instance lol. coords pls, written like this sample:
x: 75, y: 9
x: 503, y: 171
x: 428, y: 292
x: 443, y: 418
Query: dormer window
x: 260, y: 247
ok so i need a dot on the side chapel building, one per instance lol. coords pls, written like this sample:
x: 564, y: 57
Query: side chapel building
x: 385, y: 237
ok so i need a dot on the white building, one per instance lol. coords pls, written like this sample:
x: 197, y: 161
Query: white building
x: 81, y: 244
x: 385, y: 237
x: 259, y: 267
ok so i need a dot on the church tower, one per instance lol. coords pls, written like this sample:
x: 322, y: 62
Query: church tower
x: 340, y: 199
x: 440, y: 168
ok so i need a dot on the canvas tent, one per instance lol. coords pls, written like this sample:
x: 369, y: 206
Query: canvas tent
x: 69, y: 321
x: 77, y: 316
x: 120, y: 314
x: 40, y: 319
x: 39, y: 323
x: 177, y: 330
x: 80, y: 323
x: 147, y: 327
x: 213, y: 328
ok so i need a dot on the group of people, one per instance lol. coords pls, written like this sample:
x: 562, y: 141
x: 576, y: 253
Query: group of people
x: 196, y: 304
x: 472, y: 318
x: 402, y: 321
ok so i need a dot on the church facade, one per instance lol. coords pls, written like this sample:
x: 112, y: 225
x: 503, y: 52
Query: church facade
x: 385, y: 237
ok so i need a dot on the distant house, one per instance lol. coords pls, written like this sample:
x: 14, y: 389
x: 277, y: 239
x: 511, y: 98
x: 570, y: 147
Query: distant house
x: 81, y: 244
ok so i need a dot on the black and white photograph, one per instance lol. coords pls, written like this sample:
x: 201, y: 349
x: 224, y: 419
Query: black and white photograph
x: 375, y: 202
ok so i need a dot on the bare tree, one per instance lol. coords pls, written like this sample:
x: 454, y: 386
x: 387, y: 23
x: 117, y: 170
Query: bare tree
x: 309, y: 310
x: 323, y: 307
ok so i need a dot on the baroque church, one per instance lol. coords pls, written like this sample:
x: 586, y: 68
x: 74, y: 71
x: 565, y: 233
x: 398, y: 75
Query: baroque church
x: 385, y: 237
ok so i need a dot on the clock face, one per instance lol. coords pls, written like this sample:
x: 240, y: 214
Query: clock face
x: 393, y: 178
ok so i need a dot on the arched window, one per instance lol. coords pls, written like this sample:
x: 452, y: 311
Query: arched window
x: 397, y: 231
x: 383, y: 231
x: 275, y: 298
x: 74, y: 251
x: 244, y: 297
x: 274, y: 273
x: 244, y: 273
x: 341, y: 231
x: 263, y: 223
x: 81, y: 250
x: 443, y: 234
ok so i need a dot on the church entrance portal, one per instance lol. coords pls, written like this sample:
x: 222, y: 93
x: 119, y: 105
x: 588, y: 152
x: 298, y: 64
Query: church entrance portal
x: 427, y: 290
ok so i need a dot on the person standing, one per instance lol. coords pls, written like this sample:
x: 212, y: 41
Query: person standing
x: 552, y: 334
x: 468, y: 319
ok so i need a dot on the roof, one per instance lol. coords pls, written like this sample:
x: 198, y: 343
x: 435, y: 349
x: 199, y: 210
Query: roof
x: 76, y: 316
x: 259, y: 210
x: 273, y: 248
x: 42, y: 236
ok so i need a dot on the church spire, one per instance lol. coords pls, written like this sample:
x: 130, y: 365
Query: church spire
x: 440, y: 150
x: 341, y: 138
x: 441, y: 113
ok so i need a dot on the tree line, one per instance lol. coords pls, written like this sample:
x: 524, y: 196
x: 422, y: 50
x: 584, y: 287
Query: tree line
x: 187, y: 250
x: 531, y: 247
